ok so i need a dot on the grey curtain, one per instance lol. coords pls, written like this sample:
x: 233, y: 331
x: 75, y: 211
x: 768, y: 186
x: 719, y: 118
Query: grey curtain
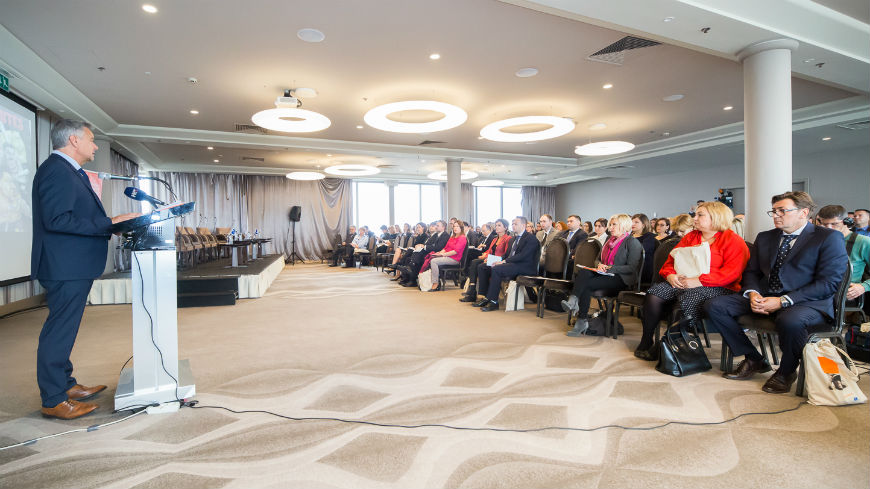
x: 538, y: 201
x: 121, y: 204
x: 252, y: 203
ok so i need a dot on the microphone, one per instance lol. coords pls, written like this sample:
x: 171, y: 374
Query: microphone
x: 108, y: 176
x: 137, y: 194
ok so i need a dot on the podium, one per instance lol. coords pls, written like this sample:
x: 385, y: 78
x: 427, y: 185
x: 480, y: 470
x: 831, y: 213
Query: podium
x: 156, y: 376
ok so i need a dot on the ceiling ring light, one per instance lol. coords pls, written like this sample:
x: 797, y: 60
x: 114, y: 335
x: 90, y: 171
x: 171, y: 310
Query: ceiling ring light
x: 274, y: 119
x: 352, y: 170
x: 603, y: 148
x: 453, y: 116
x: 560, y: 127
x: 305, y: 175
x: 442, y: 175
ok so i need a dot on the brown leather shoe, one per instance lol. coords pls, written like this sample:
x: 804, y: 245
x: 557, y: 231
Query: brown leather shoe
x: 747, y: 369
x: 79, y: 392
x: 69, y: 410
x: 779, y: 383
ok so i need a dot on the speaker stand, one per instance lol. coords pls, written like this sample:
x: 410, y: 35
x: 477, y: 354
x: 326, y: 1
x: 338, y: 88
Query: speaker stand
x: 293, y: 255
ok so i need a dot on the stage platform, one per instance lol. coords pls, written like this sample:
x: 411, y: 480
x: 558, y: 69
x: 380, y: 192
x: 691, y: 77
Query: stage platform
x: 253, y: 280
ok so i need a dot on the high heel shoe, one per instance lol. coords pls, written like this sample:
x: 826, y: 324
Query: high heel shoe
x: 437, y: 288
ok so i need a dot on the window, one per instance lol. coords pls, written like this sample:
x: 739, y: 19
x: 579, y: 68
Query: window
x: 496, y: 202
x: 371, y: 205
x: 430, y: 203
x: 407, y: 204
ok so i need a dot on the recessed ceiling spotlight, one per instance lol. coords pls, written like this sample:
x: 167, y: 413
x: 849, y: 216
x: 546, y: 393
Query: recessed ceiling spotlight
x: 151, y: 9
x: 479, y: 137
x: 452, y: 116
x: 210, y: 148
x: 559, y: 126
x: 604, y: 148
x: 526, y: 72
x: 352, y: 170
x: 487, y: 183
x: 607, y: 86
x: 826, y: 138
x: 194, y: 111
x: 442, y: 175
x: 310, y: 35
x: 217, y: 161
x: 305, y: 175
x: 668, y: 19
x: 328, y: 154
x: 147, y: 73
x: 597, y: 127
x: 673, y: 98
x: 359, y: 127
x: 727, y: 107
x: 666, y: 134
x: 434, y: 56
x: 809, y: 60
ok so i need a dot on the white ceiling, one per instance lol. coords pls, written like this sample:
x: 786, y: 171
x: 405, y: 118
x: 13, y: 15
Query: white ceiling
x: 375, y: 52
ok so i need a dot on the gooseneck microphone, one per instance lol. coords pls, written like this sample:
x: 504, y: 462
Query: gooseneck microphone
x: 108, y: 176
x: 137, y: 194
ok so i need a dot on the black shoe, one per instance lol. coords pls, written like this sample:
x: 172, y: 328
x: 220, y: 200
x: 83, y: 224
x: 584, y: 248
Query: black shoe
x: 410, y: 284
x: 490, y: 306
x: 334, y: 265
x: 481, y: 302
x: 747, y: 369
x: 468, y: 298
x: 650, y: 354
x: 779, y: 383
x: 396, y: 279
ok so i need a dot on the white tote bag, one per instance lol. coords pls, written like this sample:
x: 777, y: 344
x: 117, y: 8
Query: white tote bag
x: 831, y: 376
x: 692, y: 261
x: 424, y: 280
x: 512, y: 303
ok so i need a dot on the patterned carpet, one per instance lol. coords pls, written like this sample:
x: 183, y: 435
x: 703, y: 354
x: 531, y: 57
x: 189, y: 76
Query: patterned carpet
x: 336, y: 343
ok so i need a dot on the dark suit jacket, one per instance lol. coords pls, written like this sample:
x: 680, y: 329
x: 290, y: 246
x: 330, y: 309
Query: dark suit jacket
x: 579, y: 237
x: 489, y: 239
x: 436, y: 242
x: 70, y: 227
x: 526, y: 252
x: 811, y: 272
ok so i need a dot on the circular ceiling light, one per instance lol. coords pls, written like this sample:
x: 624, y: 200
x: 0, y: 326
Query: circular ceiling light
x: 673, y: 98
x: 300, y: 120
x: 310, y: 35
x: 453, y: 116
x: 305, y: 175
x: 526, y: 72
x: 352, y: 170
x: 442, y: 175
x: 434, y: 56
x: 602, y: 148
x: 559, y: 127
x: 487, y: 183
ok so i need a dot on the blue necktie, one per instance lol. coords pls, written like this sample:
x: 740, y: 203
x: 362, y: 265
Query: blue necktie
x: 781, y: 253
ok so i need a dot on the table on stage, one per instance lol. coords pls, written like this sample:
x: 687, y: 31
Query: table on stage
x: 235, y: 246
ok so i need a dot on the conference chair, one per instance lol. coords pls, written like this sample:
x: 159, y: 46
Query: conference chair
x: 635, y: 298
x: 453, y: 271
x: 765, y: 328
x: 585, y: 255
x: 611, y: 320
x: 555, y: 264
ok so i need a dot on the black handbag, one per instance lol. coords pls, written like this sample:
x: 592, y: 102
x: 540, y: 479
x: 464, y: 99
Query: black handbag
x: 681, y: 353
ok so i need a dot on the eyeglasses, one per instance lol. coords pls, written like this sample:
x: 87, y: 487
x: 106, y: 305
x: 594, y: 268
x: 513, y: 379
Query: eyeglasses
x: 780, y: 212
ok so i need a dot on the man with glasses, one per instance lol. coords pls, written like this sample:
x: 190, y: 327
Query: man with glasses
x: 792, y: 275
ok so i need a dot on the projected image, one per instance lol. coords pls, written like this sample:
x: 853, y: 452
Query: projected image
x: 15, y: 173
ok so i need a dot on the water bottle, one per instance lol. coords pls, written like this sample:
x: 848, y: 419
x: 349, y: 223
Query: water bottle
x: 232, y: 236
x: 257, y: 233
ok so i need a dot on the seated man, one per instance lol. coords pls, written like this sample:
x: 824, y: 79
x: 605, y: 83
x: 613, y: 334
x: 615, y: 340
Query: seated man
x: 341, y: 251
x: 360, y: 242
x: 862, y: 222
x: 436, y: 242
x: 521, y: 259
x: 857, y: 247
x: 793, y: 272
x: 574, y: 235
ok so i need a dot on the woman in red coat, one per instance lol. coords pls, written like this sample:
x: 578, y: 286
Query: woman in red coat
x: 728, y: 257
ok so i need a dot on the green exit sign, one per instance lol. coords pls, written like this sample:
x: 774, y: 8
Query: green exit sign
x: 4, y: 83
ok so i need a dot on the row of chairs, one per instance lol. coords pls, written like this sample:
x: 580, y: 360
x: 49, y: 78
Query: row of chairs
x: 198, y: 246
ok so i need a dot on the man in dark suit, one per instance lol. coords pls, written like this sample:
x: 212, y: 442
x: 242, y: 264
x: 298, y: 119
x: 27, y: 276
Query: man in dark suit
x: 341, y: 250
x: 487, y: 236
x: 436, y: 242
x: 520, y: 259
x: 574, y: 235
x: 793, y: 272
x: 70, y: 242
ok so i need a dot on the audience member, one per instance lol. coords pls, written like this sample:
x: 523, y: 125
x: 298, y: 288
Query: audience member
x: 360, y: 242
x: 587, y: 228
x: 642, y: 231
x: 530, y: 227
x: 497, y: 247
x: 560, y: 226
x: 520, y: 259
x: 681, y: 224
x: 415, y: 243
x: 857, y: 247
x: 728, y: 257
x: 573, y: 234
x: 793, y: 272
x: 340, y: 252
x: 547, y: 233
x: 663, y: 228
x: 616, y: 270
x: 449, y: 255
x: 738, y: 227
x: 600, y: 230
x: 862, y: 222
x: 436, y: 242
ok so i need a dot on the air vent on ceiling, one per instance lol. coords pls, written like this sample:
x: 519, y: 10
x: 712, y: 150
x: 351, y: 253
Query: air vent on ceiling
x: 618, y: 167
x: 855, y: 126
x: 536, y: 174
x: 249, y: 128
x: 615, y: 53
x: 387, y: 166
x: 253, y: 158
x: 429, y: 141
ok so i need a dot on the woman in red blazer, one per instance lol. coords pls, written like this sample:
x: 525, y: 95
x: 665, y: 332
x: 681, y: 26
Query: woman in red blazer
x: 728, y: 257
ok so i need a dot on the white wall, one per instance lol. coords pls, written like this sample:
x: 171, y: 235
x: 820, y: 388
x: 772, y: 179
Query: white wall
x: 842, y: 177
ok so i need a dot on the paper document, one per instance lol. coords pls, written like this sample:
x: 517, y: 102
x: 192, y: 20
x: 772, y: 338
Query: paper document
x: 596, y: 271
x: 490, y: 259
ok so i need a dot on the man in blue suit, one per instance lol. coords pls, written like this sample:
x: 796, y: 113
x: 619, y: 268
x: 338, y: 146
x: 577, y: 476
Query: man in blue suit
x: 792, y: 276
x: 70, y: 242
x: 521, y: 258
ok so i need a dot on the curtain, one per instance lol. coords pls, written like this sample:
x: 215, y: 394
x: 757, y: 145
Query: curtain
x: 121, y: 204
x: 538, y: 201
x: 250, y: 203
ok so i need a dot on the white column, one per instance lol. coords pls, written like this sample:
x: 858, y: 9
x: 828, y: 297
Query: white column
x: 103, y: 163
x: 768, y: 127
x: 391, y: 190
x: 454, y: 189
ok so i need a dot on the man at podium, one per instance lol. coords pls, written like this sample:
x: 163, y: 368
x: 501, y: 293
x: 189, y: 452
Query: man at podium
x: 70, y: 243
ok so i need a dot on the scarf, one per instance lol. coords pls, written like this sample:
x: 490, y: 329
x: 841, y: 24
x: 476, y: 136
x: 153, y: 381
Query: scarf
x: 611, y: 246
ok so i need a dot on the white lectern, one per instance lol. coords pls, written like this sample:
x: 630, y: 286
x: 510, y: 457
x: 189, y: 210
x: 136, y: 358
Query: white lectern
x: 156, y: 375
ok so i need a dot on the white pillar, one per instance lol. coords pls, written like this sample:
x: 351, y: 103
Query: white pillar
x: 768, y: 127
x: 103, y: 163
x: 454, y: 189
x: 391, y: 191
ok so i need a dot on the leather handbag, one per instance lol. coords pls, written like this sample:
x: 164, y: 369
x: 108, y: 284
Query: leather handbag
x: 681, y: 353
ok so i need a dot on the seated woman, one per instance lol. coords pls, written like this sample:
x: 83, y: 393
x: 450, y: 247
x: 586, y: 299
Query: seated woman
x: 498, y: 247
x: 641, y: 229
x: 530, y: 227
x: 418, y: 239
x: 600, y: 230
x: 560, y: 226
x: 587, y: 228
x: 663, y: 228
x: 728, y: 257
x: 450, y: 255
x: 619, y: 259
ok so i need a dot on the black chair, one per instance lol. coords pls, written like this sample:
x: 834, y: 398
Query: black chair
x: 608, y: 303
x: 765, y: 328
x: 635, y: 298
x: 329, y: 254
x: 452, y: 271
x: 584, y: 255
x: 367, y: 256
x: 555, y: 264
